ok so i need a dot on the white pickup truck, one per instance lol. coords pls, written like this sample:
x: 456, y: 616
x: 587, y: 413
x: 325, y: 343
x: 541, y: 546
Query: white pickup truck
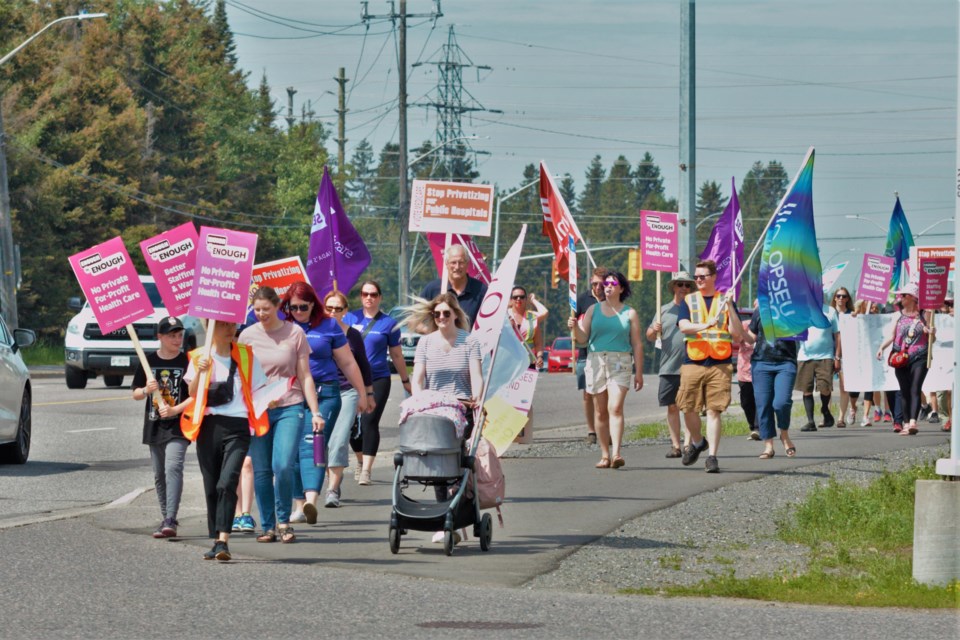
x: 90, y: 353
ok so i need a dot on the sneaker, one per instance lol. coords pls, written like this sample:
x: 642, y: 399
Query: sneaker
x: 691, y: 452
x: 237, y: 524
x: 712, y: 466
x: 364, y: 480
x: 247, y: 523
x: 946, y: 426
x: 933, y: 418
x: 332, y: 500
x: 924, y: 412
x: 591, y: 438
x: 210, y: 555
x: 310, y: 513
x: 866, y: 422
x: 897, y: 427
x: 297, y: 516
x: 356, y: 472
x: 169, y: 528
x: 877, y: 416
x: 754, y: 434
x: 887, y: 417
x: 158, y: 532
x: 221, y: 552
x: 808, y: 427
x: 851, y: 416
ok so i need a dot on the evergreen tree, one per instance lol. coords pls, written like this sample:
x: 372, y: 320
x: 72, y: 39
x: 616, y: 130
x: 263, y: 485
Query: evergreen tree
x: 569, y: 193
x: 225, y: 35
x: 710, y: 202
x: 362, y: 184
x: 649, y: 185
x: 590, y: 197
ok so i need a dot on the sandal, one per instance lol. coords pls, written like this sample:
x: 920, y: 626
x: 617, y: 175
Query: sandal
x: 603, y: 464
x: 766, y: 455
x: 286, y: 535
x: 791, y: 451
x: 618, y: 462
x: 267, y: 536
x: 675, y: 453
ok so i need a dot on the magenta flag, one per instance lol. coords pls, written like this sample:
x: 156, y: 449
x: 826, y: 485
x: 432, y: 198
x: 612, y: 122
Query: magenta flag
x: 725, y: 245
x: 478, y: 265
x: 337, y: 254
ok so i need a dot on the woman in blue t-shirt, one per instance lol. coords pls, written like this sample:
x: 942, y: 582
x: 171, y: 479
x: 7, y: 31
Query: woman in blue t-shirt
x: 329, y: 354
x: 381, y: 337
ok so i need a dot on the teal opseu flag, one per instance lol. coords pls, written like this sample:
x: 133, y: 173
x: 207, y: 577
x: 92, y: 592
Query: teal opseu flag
x: 790, y: 285
x: 899, y: 241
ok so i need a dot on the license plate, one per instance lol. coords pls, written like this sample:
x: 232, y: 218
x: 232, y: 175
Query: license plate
x: 119, y: 361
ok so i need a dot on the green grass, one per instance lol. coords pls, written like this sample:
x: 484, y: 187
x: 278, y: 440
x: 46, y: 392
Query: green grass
x: 860, y: 554
x: 43, y: 351
x: 733, y: 425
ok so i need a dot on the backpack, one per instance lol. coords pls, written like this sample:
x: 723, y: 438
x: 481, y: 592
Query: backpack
x: 491, y: 483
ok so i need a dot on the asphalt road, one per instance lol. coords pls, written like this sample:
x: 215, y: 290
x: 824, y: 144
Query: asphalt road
x: 74, y: 566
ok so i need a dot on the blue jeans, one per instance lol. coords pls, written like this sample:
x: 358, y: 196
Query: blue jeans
x: 310, y: 477
x: 274, y: 458
x: 773, y: 388
x: 338, y: 440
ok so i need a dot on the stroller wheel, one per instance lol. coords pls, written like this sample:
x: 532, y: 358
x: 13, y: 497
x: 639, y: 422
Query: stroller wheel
x: 486, y: 532
x: 448, y: 542
x: 394, y: 535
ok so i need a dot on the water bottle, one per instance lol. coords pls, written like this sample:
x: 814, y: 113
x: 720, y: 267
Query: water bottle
x: 319, y: 450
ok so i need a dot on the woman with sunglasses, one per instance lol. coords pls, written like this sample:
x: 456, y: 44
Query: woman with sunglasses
x: 611, y: 330
x: 526, y: 322
x: 842, y: 303
x: 381, y: 338
x: 352, y: 400
x: 329, y: 355
x: 283, y: 351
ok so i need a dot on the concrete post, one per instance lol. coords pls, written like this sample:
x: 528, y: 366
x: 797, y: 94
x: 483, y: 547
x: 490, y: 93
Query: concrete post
x: 936, y: 532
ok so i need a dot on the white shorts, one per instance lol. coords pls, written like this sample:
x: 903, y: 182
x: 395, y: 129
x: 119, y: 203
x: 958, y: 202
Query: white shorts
x: 604, y: 367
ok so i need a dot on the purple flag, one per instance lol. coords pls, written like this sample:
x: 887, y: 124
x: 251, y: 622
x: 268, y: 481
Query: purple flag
x: 337, y: 254
x: 725, y: 245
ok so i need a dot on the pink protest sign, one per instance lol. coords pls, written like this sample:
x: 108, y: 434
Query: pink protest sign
x: 222, y: 275
x: 111, y: 284
x: 660, y: 241
x: 171, y: 257
x: 934, y: 273
x: 875, y: 277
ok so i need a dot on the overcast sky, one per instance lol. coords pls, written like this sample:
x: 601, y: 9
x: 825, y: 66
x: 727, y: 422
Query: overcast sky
x: 870, y: 84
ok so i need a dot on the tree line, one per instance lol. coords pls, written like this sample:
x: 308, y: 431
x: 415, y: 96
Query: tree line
x: 135, y: 124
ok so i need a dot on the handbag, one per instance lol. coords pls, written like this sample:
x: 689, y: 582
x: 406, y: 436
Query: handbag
x: 898, y: 359
x: 221, y: 393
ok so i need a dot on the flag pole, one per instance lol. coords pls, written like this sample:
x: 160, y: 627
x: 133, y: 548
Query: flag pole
x: 659, y: 303
x: 444, y: 275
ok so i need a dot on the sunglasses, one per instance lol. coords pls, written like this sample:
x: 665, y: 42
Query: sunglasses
x: 518, y: 297
x: 840, y: 296
x: 369, y: 294
x: 611, y: 283
x: 445, y: 313
x: 702, y: 276
x: 685, y: 285
x: 300, y: 307
x: 335, y: 309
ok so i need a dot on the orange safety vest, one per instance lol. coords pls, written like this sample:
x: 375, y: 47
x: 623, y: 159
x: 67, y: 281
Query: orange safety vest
x: 243, y: 355
x: 713, y: 343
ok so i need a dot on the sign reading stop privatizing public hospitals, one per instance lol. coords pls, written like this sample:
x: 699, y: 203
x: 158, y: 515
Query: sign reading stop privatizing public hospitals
x: 111, y: 284
x: 451, y: 207
x: 171, y: 257
x: 222, y: 276
x: 660, y: 240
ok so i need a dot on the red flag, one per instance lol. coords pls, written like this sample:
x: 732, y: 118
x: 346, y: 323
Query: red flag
x: 478, y: 265
x: 558, y: 224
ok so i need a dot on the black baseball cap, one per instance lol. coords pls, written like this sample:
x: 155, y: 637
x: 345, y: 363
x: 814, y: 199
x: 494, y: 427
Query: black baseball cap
x: 169, y: 325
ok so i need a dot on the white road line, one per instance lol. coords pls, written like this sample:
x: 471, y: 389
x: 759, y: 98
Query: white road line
x: 89, y: 430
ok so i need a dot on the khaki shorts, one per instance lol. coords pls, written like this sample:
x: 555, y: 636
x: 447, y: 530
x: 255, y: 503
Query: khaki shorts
x: 815, y: 371
x: 704, y: 387
x: 605, y: 367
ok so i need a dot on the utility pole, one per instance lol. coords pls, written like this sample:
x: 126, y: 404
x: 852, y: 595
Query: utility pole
x: 341, y: 125
x: 8, y: 285
x: 290, y: 119
x: 403, y: 266
x: 688, y: 134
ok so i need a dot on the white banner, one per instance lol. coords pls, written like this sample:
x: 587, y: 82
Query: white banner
x: 860, y: 338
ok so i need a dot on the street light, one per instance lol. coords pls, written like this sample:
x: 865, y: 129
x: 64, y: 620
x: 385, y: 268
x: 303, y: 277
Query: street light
x: 857, y: 216
x: 8, y: 285
x: 709, y: 217
x: 917, y: 235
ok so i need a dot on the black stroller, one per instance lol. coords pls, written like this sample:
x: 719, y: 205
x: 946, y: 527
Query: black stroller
x: 431, y: 454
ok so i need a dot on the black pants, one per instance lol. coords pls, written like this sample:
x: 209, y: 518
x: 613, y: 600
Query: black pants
x: 748, y: 403
x: 368, y: 441
x: 221, y: 448
x: 911, y: 379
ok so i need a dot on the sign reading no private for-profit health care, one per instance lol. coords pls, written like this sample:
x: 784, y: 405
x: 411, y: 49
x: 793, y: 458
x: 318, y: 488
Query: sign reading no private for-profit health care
x: 875, y: 274
x: 111, y: 284
x: 223, y: 272
x: 660, y: 240
x: 451, y: 207
x: 934, y: 273
x: 279, y: 274
x: 171, y: 258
